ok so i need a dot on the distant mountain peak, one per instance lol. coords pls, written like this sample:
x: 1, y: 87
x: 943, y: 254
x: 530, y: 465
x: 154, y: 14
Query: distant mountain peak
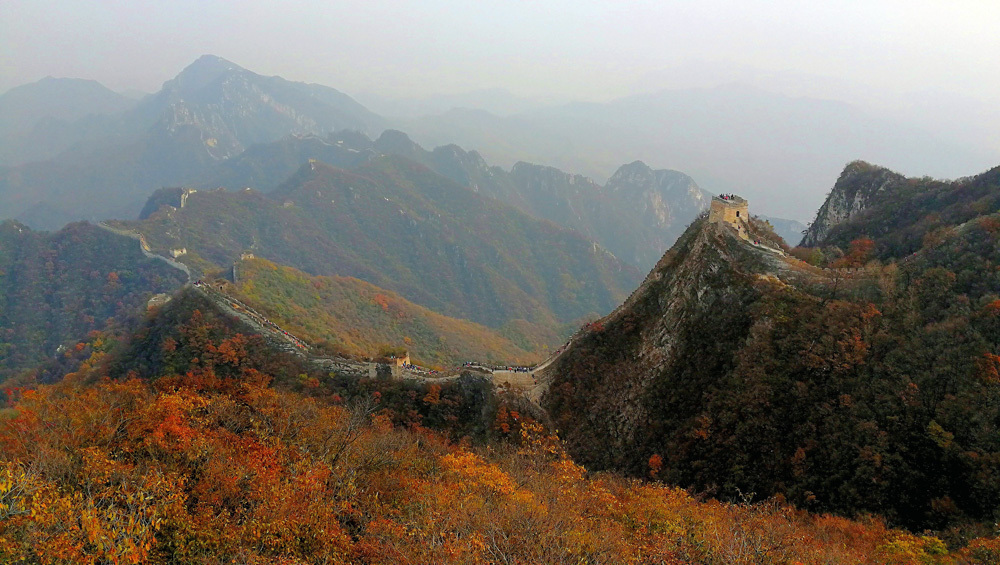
x: 202, y: 72
x: 213, y: 61
x: 633, y: 168
x: 639, y: 173
x: 395, y: 141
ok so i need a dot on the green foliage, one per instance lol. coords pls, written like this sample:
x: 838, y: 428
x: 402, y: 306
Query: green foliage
x: 354, y: 318
x: 189, y: 336
x: 56, y: 288
x: 399, y: 226
x: 906, y: 212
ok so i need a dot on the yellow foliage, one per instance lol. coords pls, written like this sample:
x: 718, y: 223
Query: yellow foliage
x: 119, y: 472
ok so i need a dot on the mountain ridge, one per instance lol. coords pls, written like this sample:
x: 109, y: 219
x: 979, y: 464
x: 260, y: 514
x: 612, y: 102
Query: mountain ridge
x: 212, y: 110
x: 398, y: 225
x: 866, y: 386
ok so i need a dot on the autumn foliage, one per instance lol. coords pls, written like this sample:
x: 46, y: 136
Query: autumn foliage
x: 199, y: 469
x: 210, y: 448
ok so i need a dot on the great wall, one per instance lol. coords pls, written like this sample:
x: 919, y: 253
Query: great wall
x: 286, y: 341
x: 731, y: 212
x: 144, y: 247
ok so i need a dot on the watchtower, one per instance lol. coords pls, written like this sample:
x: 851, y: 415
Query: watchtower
x: 731, y: 210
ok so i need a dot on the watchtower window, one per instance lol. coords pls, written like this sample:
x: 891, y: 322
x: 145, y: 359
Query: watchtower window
x: 737, y: 213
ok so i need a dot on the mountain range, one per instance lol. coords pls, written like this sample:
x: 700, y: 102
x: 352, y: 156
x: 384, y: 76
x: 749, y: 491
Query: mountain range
x: 778, y: 150
x: 857, y: 374
x: 637, y: 215
x: 212, y: 110
x: 396, y: 224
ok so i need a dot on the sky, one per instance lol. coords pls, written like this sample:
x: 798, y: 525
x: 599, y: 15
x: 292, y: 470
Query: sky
x: 931, y: 64
x: 560, y: 49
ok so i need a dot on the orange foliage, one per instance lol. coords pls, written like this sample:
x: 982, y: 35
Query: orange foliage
x: 993, y: 308
x: 655, y: 465
x: 857, y: 255
x: 989, y: 368
x: 199, y: 469
x: 433, y: 394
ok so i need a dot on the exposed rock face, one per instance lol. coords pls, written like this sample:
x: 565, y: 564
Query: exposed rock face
x: 234, y: 108
x: 660, y: 195
x: 660, y: 202
x: 854, y: 191
x: 676, y: 335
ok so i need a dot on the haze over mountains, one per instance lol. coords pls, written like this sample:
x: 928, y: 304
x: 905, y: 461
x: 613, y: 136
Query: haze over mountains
x: 217, y: 124
x: 212, y: 110
x: 859, y: 375
x: 636, y: 215
x: 399, y: 225
x: 44, y: 118
x: 778, y: 150
x: 505, y: 282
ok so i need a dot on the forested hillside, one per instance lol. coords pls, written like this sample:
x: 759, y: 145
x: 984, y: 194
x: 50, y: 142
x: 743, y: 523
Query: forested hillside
x: 636, y: 215
x: 899, y: 214
x: 356, y: 319
x: 55, y: 288
x: 404, y: 228
x: 869, y: 391
x: 223, y: 451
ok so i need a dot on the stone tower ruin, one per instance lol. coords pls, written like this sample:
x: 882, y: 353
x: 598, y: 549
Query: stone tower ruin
x: 732, y: 211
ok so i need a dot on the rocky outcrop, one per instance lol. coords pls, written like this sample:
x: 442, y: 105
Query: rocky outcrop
x: 855, y: 190
x: 676, y: 333
x: 233, y: 108
x: 659, y: 203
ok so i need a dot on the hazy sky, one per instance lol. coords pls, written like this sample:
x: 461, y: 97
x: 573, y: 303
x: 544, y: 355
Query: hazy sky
x: 563, y: 48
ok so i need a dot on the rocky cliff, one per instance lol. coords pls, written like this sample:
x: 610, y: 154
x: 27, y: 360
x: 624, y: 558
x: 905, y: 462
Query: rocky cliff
x: 658, y: 203
x: 673, y: 340
x: 853, y: 192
